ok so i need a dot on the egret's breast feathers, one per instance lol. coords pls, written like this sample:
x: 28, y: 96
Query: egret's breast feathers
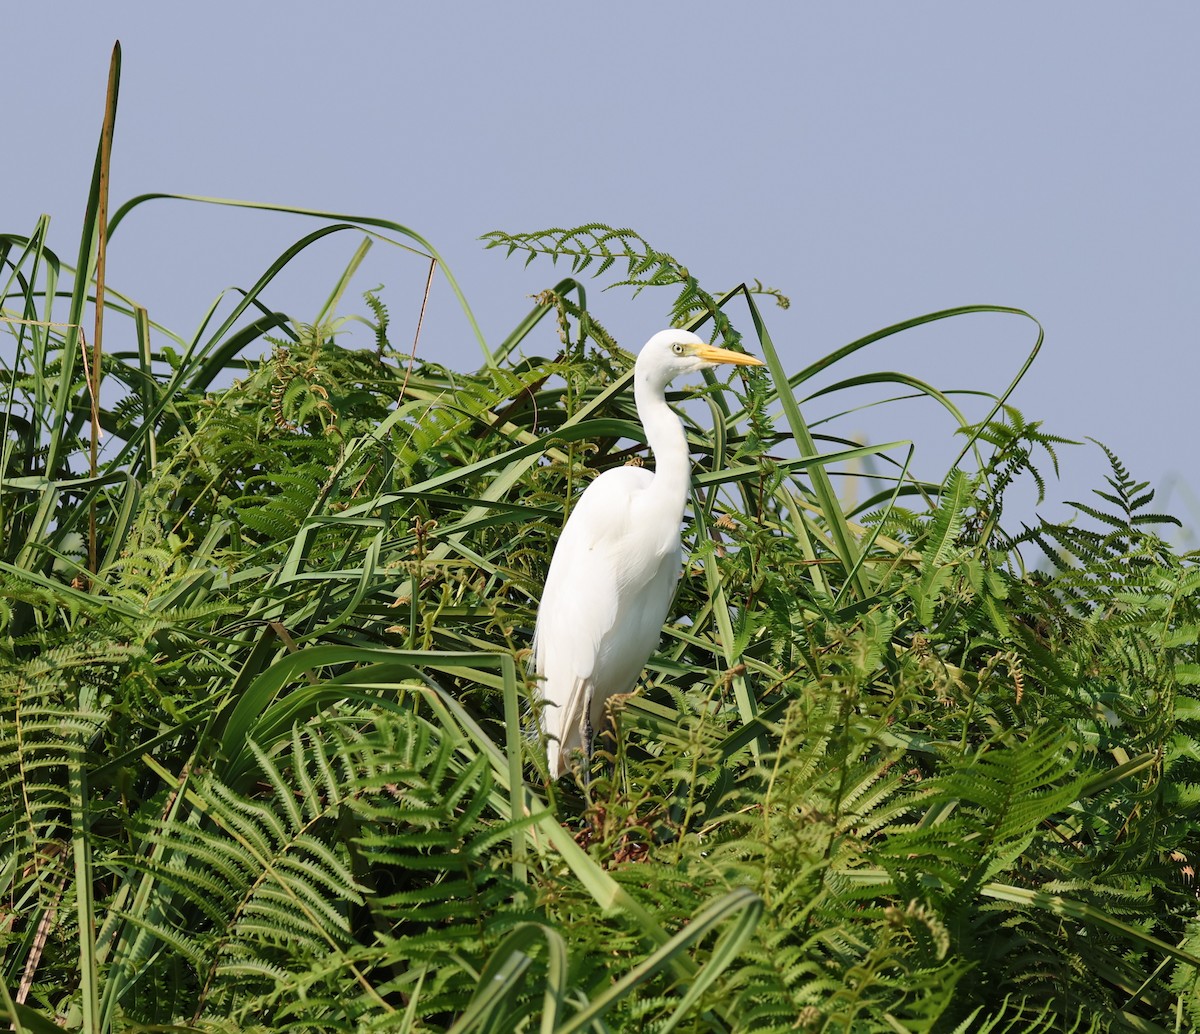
x: 607, y: 553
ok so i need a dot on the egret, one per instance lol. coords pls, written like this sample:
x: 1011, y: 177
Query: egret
x: 613, y: 573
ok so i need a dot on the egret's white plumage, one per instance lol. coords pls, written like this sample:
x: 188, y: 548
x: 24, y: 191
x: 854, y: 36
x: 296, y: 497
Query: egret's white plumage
x: 613, y: 573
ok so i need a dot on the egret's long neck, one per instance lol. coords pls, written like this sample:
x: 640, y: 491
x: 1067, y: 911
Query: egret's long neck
x: 664, y: 432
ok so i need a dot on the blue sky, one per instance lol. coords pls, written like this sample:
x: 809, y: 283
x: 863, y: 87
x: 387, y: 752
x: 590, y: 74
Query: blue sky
x: 872, y: 160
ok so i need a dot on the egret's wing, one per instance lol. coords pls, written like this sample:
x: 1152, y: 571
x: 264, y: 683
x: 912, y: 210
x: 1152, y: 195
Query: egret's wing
x: 579, y: 604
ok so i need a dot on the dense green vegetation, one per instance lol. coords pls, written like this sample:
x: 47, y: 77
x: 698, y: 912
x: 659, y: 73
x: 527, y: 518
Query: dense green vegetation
x: 902, y: 766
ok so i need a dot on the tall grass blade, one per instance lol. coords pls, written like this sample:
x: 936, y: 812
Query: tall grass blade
x: 352, y: 221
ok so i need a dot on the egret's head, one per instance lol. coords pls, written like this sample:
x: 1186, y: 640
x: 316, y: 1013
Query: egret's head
x: 672, y: 352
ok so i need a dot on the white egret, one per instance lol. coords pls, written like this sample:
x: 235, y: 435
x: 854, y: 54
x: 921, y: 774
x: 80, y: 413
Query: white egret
x: 613, y: 573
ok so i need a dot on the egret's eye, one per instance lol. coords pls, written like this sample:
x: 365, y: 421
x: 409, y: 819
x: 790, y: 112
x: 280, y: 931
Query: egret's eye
x: 677, y: 348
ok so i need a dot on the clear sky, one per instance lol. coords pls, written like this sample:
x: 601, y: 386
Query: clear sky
x: 872, y: 160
